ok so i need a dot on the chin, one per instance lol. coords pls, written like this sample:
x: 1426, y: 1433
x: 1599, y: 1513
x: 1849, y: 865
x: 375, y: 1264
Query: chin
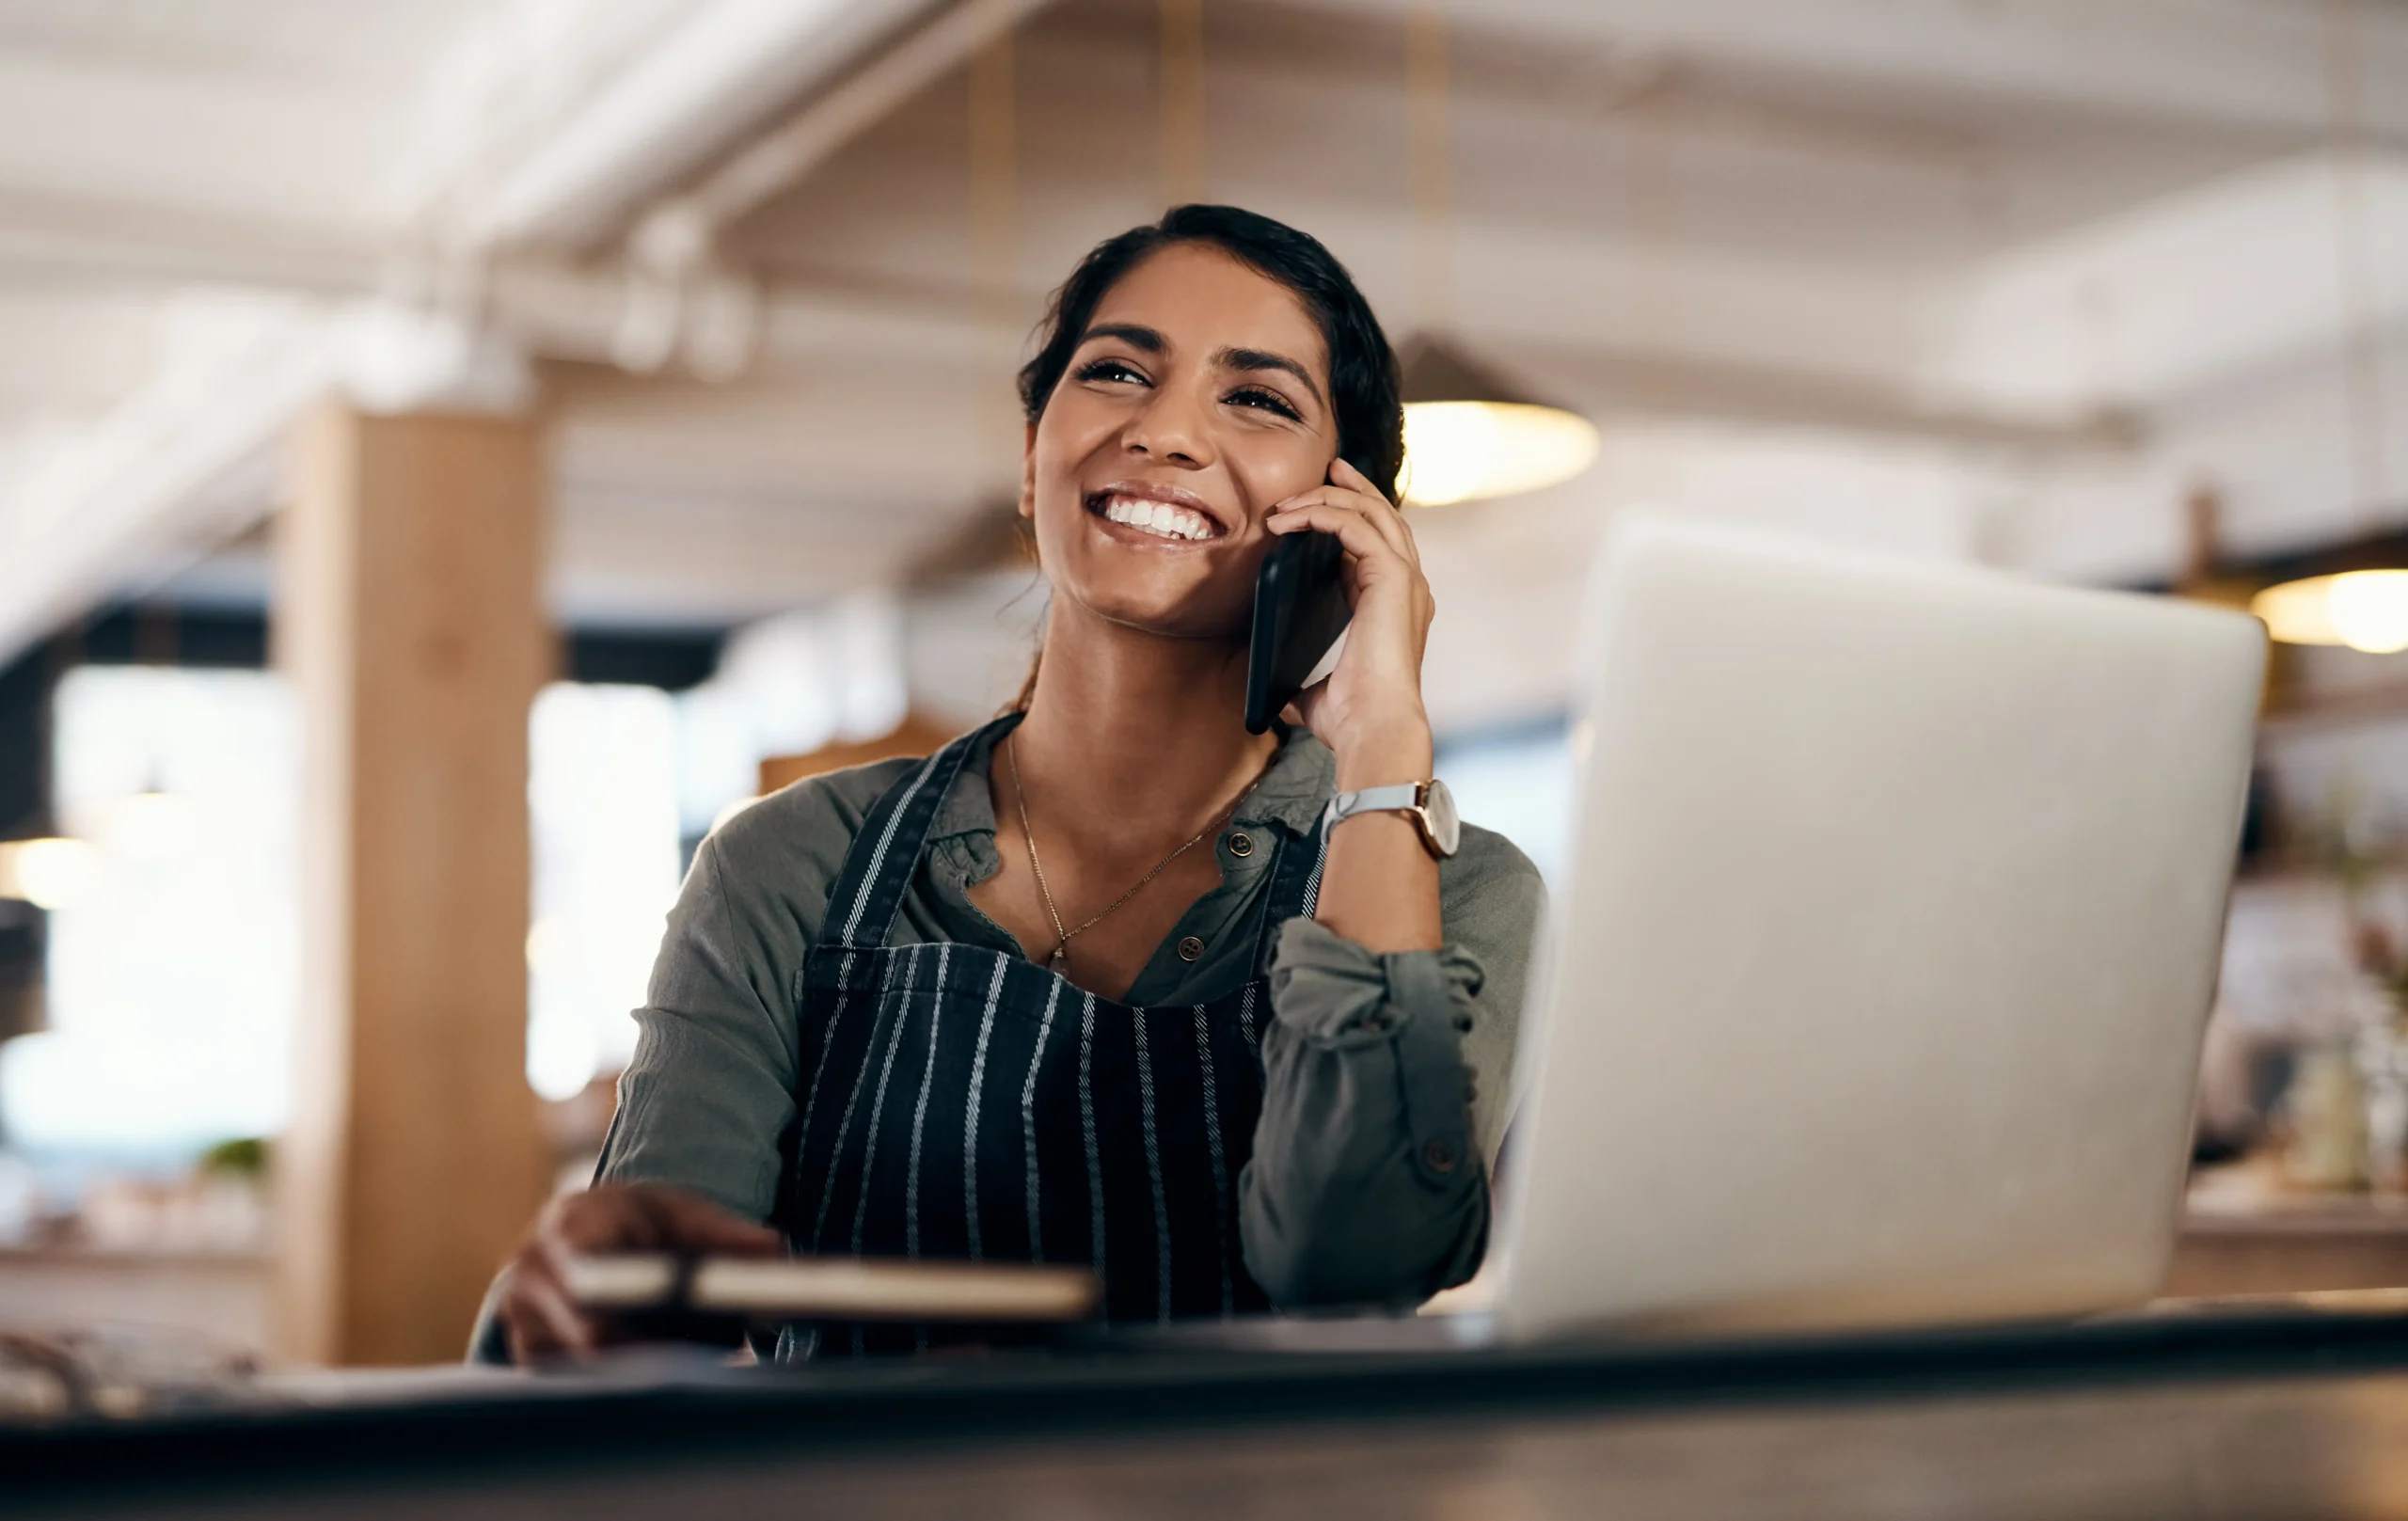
x: 1180, y: 621
x: 1185, y: 612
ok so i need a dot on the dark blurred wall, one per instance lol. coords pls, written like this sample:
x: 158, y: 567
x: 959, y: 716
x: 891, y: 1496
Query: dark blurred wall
x: 24, y: 733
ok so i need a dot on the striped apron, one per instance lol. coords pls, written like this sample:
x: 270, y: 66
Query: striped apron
x: 959, y: 1102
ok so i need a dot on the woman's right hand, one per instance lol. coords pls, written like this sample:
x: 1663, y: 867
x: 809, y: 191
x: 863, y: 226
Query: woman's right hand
x: 537, y: 1315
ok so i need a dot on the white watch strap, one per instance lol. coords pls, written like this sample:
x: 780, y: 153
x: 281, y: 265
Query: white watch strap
x: 1371, y: 800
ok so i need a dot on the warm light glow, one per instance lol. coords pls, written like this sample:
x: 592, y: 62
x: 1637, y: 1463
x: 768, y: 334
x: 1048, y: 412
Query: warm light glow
x: 48, y: 873
x: 1458, y: 451
x: 2365, y: 610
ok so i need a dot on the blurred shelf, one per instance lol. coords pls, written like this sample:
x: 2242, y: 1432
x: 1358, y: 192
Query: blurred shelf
x: 132, y: 1257
x: 2245, y: 1232
x: 223, y: 1296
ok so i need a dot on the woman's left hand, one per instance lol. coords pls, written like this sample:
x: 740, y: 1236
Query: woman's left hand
x: 1370, y: 711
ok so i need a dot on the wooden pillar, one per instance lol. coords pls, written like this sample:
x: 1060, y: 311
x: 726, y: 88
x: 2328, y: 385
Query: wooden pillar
x: 409, y: 622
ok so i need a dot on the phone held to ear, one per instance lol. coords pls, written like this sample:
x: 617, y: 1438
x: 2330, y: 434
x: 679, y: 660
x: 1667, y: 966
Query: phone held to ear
x: 1299, y: 611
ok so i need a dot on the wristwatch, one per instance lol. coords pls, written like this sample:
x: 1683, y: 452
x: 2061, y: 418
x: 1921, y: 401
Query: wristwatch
x: 1429, y: 804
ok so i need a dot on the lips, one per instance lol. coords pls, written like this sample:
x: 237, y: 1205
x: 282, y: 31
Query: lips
x: 1160, y: 511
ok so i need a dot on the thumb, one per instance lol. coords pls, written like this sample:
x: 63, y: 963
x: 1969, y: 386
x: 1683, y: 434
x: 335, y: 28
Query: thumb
x: 1305, y: 704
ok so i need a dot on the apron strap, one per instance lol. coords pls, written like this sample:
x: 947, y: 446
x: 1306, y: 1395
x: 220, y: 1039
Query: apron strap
x: 886, y: 850
x: 1295, y: 888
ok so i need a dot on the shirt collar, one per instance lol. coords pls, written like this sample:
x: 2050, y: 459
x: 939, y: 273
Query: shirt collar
x: 1295, y: 788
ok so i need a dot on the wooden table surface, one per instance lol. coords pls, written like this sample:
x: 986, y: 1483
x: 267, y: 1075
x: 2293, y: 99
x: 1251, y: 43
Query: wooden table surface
x: 2271, y: 1411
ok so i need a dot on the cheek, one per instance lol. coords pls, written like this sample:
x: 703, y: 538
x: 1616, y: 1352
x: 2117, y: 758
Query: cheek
x: 1273, y: 467
x: 1068, y: 434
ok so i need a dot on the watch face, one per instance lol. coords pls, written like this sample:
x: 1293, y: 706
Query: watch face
x: 1446, y: 824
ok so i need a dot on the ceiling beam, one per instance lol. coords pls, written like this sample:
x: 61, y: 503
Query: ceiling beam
x: 146, y: 486
x: 787, y: 153
x: 2220, y: 64
x: 710, y: 82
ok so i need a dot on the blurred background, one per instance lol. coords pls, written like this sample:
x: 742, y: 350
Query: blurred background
x: 453, y: 453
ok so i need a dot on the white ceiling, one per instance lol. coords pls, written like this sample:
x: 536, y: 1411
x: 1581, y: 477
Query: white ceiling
x: 1968, y: 277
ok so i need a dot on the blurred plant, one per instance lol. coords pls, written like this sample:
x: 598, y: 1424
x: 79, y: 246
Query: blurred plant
x: 2327, y: 1108
x: 243, y: 1158
x: 2349, y: 1102
x: 2357, y: 846
x: 2348, y: 840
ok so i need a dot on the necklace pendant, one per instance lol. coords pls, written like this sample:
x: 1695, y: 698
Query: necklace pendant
x: 1060, y: 959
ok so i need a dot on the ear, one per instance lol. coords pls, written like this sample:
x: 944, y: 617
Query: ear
x: 1028, y: 473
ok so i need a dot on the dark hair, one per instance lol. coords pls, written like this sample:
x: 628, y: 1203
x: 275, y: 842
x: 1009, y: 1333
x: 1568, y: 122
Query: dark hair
x: 1363, y: 381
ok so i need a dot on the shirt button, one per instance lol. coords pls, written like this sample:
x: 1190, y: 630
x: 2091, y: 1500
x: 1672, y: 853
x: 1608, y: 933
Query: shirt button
x: 1190, y: 948
x: 1240, y: 845
x: 1440, y: 1156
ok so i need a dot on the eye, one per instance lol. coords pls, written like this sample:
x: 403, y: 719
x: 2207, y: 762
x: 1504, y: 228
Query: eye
x: 1268, y: 401
x: 1110, y: 370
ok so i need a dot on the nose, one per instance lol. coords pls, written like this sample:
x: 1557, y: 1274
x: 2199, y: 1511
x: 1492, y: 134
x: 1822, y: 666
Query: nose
x: 1172, y: 427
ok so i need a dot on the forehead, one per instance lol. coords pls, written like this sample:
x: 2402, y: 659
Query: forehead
x: 1203, y: 300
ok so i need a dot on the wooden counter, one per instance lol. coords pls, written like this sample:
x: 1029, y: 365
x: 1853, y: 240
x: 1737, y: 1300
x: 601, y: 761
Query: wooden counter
x: 2263, y: 1412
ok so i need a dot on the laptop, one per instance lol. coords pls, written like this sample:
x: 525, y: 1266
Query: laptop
x: 1875, y: 996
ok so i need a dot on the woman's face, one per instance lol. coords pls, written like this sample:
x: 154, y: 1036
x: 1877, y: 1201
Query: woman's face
x: 1197, y: 397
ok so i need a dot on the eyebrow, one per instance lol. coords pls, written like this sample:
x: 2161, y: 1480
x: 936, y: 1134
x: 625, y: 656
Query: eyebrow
x: 1264, y: 359
x: 1151, y: 341
x: 1129, y: 333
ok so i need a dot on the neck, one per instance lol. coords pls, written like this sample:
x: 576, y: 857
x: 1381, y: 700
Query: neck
x: 1155, y: 725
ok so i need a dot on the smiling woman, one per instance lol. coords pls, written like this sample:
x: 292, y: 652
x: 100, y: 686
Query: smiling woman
x: 952, y: 1008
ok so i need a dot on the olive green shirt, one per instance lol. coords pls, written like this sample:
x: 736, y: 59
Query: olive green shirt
x: 1350, y: 1195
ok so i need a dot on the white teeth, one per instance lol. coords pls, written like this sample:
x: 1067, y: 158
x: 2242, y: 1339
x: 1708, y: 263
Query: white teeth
x: 1158, y: 517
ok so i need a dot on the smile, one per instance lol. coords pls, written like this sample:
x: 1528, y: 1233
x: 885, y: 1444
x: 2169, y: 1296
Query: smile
x: 1150, y: 515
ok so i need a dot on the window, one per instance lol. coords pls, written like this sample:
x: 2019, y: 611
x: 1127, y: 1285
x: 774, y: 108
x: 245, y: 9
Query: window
x: 171, y: 980
x: 602, y: 787
x: 1518, y: 782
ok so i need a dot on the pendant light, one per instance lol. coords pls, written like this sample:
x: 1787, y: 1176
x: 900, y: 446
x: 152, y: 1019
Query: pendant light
x: 39, y: 862
x: 2364, y: 606
x: 1467, y: 433
x: 49, y: 871
x: 2365, y: 610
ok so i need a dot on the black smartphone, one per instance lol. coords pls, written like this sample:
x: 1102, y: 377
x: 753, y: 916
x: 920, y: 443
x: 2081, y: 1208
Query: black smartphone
x: 1299, y: 611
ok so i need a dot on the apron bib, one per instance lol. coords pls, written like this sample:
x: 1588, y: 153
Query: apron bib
x: 965, y: 1103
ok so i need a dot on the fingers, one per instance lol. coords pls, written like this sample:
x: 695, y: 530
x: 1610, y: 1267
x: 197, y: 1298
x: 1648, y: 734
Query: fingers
x: 1365, y: 502
x: 1382, y: 522
x: 540, y: 1317
x: 1357, y: 530
x: 649, y: 1217
x: 1345, y: 474
x: 1388, y: 515
x: 688, y: 1224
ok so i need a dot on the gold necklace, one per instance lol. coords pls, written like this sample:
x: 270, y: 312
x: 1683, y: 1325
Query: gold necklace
x: 1060, y: 958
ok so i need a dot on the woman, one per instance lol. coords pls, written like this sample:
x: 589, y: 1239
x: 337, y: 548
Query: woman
x: 1098, y: 983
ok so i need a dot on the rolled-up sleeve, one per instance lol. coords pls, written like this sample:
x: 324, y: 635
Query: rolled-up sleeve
x: 1364, y: 1185
x: 710, y: 1096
